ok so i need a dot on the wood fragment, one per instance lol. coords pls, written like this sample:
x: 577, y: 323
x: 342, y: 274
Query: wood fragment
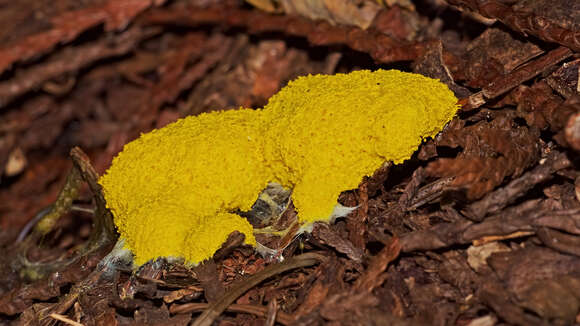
x: 524, y: 21
x: 499, y: 199
x: 503, y: 84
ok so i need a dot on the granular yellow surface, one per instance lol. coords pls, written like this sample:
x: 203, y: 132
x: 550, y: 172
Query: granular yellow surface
x: 173, y: 191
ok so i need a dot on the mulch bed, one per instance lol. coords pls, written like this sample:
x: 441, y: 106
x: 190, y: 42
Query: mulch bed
x: 480, y: 227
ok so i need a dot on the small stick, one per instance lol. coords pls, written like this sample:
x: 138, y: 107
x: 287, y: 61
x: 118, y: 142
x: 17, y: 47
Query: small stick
x: 65, y: 320
x: 186, y: 308
x: 216, y: 308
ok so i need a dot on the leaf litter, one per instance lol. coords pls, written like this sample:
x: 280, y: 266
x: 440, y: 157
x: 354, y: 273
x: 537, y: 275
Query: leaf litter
x: 503, y: 174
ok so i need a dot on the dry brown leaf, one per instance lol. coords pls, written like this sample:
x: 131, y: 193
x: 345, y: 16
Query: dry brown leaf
x: 359, y: 13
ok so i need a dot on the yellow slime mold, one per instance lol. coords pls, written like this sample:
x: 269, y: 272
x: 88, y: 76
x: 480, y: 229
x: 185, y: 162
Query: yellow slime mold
x: 173, y: 191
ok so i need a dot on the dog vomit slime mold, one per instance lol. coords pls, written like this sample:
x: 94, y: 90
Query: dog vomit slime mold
x: 173, y: 191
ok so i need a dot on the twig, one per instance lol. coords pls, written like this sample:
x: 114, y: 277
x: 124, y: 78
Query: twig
x: 104, y: 228
x: 102, y: 234
x: 215, y: 309
x: 281, y: 317
x: 65, y: 320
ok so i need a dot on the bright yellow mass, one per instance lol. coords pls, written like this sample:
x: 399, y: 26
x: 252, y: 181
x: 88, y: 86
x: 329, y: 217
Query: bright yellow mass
x: 173, y: 191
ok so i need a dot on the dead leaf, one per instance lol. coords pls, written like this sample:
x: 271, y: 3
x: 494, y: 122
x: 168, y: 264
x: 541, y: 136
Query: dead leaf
x: 359, y: 13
